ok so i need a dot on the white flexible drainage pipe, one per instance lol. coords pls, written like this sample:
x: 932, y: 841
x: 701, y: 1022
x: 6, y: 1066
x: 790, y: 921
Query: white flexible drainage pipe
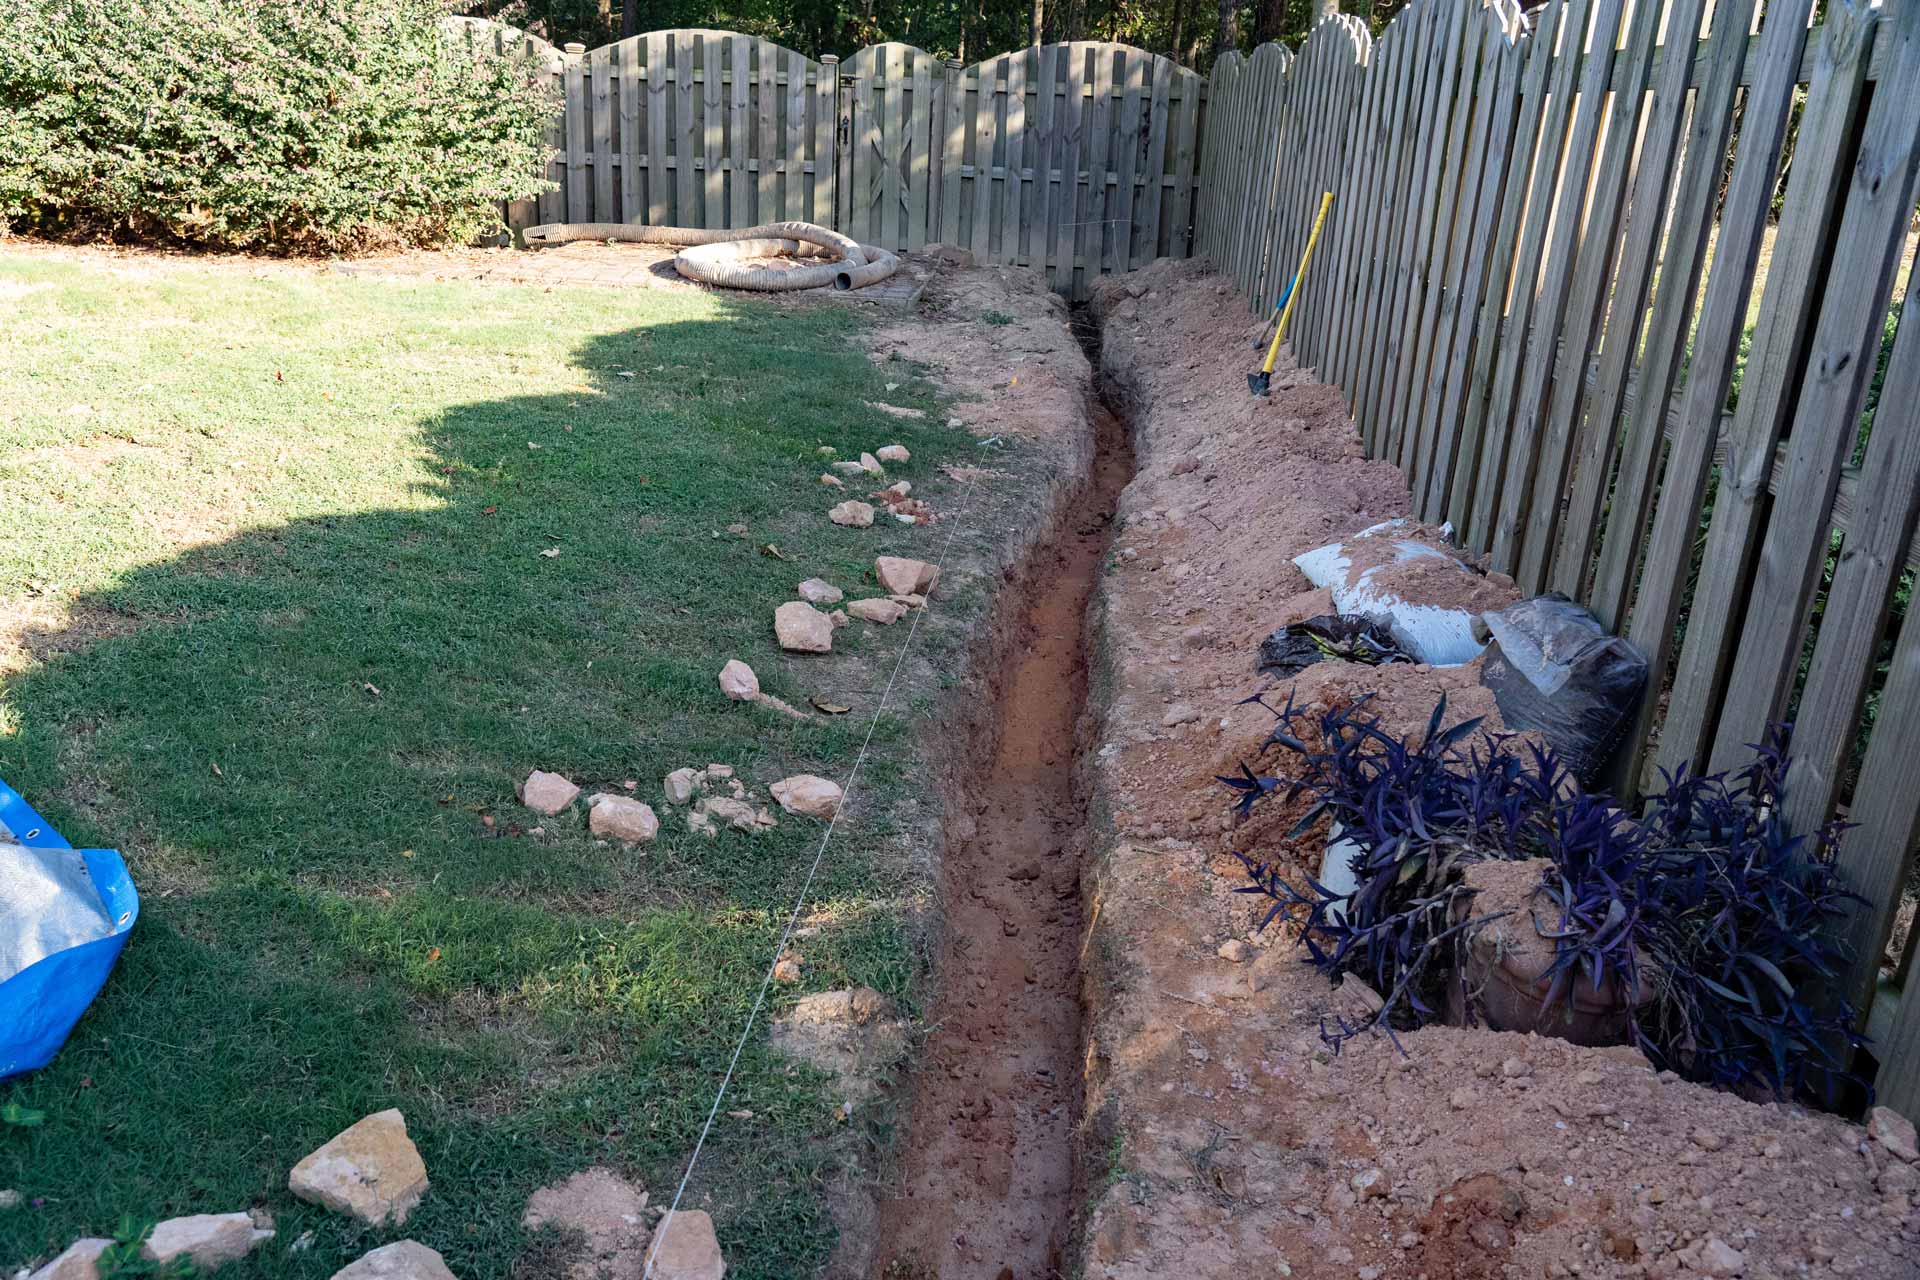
x: 723, y: 257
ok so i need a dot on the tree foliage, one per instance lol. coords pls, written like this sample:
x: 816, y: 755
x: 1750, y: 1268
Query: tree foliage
x: 311, y: 125
x: 1190, y: 31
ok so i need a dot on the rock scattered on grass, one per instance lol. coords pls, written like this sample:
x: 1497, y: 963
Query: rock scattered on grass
x: 853, y: 514
x: 905, y: 577
x: 688, y: 1248
x: 737, y: 814
x: 547, y: 793
x: 679, y: 786
x: 78, y: 1261
x: 604, y: 1208
x: 806, y: 794
x: 209, y: 1240
x: 895, y: 410
x: 401, y: 1260
x: 9, y: 1199
x: 622, y: 818
x: 849, y: 468
x: 801, y: 628
x: 899, y: 488
x: 820, y: 591
x: 828, y: 478
x: 883, y: 612
x: 892, y: 453
x: 840, y: 618
x: 871, y: 465
x: 370, y: 1170
x: 737, y: 680
x: 786, y: 969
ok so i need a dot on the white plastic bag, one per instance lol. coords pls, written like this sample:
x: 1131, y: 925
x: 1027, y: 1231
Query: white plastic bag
x: 1439, y: 636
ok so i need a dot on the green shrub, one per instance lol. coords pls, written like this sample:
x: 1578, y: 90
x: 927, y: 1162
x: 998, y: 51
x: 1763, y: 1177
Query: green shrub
x: 294, y: 125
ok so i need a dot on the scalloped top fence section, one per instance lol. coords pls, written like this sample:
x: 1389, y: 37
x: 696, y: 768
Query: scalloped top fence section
x: 1077, y: 159
x: 1620, y: 287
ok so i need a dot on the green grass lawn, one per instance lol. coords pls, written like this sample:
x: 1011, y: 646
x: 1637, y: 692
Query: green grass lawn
x: 233, y: 505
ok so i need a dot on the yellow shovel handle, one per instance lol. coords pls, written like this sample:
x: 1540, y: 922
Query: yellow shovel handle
x: 1286, y: 314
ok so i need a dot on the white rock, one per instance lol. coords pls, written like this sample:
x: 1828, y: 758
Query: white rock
x: 1179, y: 713
x: 547, y: 793
x: 371, y: 1170
x: 9, y: 1199
x: 1894, y: 1132
x: 820, y: 591
x: 209, y: 1239
x: 801, y: 628
x: 895, y: 410
x: 737, y: 814
x: 1234, y: 951
x: 737, y: 680
x: 871, y: 465
x: 884, y: 612
x: 899, y: 488
x: 804, y: 793
x: 687, y: 1248
x: 853, y: 514
x: 622, y: 818
x: 1718, y: 1258
x: 849, y: 468
x: 401, y: 1260
x: 892, y: 453
x: 905, y: 577
x: 76, y: 1262
x: 679, y: 786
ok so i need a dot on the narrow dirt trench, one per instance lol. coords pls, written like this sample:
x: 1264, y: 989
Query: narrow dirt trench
x: 986, y: 1179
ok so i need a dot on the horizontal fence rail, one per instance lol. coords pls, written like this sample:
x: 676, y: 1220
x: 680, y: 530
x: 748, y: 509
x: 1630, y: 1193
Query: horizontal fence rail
x: 1619, y: 287
x: 1077, y: 159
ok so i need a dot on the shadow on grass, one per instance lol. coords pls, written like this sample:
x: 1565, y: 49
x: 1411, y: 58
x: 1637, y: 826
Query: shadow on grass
x: 297, y: 734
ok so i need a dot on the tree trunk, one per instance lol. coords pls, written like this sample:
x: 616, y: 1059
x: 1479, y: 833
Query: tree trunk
x: 629, y: 18
x: 1227, y: 36
x: 1270, y: 21
x: 1037, y: 26
x: 1174, y: 49
x: 1325, y: 9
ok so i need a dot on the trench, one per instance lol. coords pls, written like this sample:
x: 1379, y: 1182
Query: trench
x: 986, y: 1180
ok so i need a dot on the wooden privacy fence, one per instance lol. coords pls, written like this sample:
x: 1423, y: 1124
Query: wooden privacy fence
x: 1573, y: 286
x: 1077, y: 159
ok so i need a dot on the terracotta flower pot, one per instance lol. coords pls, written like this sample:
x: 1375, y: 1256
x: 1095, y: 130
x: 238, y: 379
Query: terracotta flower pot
x: 1501, y: 980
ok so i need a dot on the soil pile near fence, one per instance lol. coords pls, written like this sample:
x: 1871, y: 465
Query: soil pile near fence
x: 1236, y: 1138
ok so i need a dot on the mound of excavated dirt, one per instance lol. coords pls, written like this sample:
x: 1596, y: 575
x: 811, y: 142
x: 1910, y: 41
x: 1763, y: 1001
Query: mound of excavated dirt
x: 1238, y: 1144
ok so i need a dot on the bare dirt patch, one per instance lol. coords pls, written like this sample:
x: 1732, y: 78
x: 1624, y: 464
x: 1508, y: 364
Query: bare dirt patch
x: 1237, y: 1140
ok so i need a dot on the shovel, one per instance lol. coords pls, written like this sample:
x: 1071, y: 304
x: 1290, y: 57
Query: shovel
x: 1260, y: 382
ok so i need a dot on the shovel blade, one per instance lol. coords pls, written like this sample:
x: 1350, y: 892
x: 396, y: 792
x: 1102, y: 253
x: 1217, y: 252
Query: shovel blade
x: 1258, y: 383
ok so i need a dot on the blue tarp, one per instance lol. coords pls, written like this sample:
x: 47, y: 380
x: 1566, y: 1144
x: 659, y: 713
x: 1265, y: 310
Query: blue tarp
x: 41, y: 1002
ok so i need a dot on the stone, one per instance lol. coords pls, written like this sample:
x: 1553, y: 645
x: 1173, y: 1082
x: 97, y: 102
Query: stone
x: 871, y: 465
x: 547, y: 793
x: 401, y: 1260
x: 786, y: 969
x: 1718, y: 1258
x: 688, y: 1248
x: 892, y: 453
x: 608, y: 1211
x: 679, y: 785
x: 801, y: 628
x: 899, y: 488
x: 77, y: 1262
x: 881, y: 612
x: 1371, y: 1184
x: 623, y: 818
x: 737, y: 814
x: 370, y: 1170
x: 820, y: 591
x: 808, y: 795
x: 1514, y: 1068
x: 828, y: 478
x: 912, y: 602
x: 852, y: 514
x: 849, y: 468
x: 737, y: 680
x: 1185, y: 463
x: 1178, y: 714
x: 1708, y: 1140
x: 701, y: 825
x: 1235, y: 952
x: 209, y: 1239
x: 906, y: 577
x: 1894, y: 1132
x: 840, y: 619
x: 9, y: 1199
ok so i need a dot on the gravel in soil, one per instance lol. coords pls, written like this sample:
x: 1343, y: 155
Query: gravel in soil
x: 1227, y: 1136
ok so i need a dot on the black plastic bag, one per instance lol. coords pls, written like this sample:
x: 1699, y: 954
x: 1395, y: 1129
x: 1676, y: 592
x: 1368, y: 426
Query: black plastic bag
x: 1554, y: 669
x: 1292, y: 649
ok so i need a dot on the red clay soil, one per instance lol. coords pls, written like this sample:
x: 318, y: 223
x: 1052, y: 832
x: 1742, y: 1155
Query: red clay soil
x: 987, y: 1163
x: 1239, y: 1145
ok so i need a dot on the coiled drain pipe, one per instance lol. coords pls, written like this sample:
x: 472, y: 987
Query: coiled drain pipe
x: 723, y: 258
